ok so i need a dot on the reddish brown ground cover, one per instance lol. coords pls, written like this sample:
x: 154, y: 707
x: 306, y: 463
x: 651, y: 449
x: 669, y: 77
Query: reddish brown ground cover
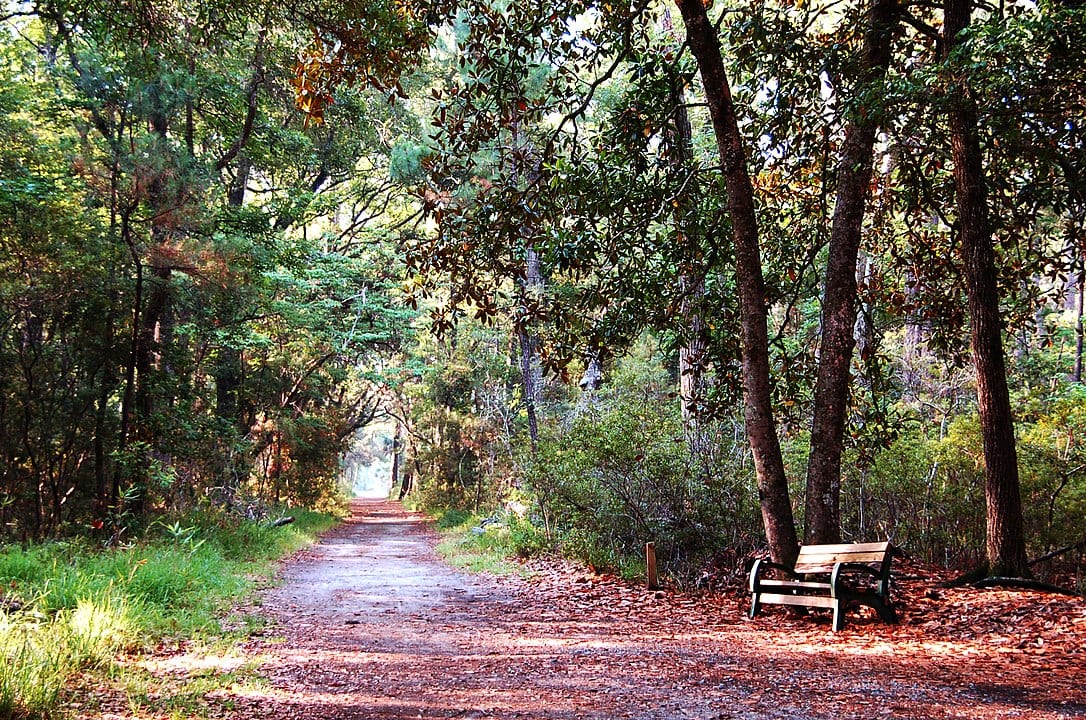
x: 370, y: 624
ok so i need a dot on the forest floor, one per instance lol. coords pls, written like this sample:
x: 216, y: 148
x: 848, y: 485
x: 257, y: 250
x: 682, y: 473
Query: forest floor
x: 371, y: 624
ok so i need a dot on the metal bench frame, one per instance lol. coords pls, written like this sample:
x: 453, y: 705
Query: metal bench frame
x: 856, y: 573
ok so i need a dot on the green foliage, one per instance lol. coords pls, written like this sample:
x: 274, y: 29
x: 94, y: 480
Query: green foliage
x: 924, y: 493
x: 466, y: 544
x: 528, y: 539
x: 927, y: 492
x: 202, y: 296
x: 622, y: 475
x: 1053, y: 460
x: 464, y: 414
x: 170, y: 328
x: 78, y: 606
x: 453, y: 519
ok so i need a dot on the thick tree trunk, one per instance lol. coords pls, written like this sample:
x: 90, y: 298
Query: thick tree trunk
x: 758, y: 415
x: 1006, y: 546
x: 822, y: 521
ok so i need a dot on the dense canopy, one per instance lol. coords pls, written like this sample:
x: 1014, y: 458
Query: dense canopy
x: 719, y: 277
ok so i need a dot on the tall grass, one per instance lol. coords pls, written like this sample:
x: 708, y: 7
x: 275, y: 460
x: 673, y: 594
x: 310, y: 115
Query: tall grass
x: 69, y: 607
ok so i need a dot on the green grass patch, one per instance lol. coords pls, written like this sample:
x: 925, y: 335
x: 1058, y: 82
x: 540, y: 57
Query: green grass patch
x: 72, y: 607
x: 469, y: 545
x: 189, y: 695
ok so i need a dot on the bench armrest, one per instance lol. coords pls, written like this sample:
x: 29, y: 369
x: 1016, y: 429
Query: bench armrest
x: 762, y: 565
x: 842, y: 568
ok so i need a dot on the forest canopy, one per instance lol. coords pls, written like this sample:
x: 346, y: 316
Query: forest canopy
x: 720, y: 277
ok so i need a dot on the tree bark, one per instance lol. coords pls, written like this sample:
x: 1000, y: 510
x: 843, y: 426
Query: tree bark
x: 822, y: 520
x: 1005, y: 539
x: 531, y: 371
x: 1076, y: 372
x: 397, y: 453
x: 758, y: 415
x: 156, y: 321
x: 229, y: 370
x: 691, y: 283
x: 531, y: 368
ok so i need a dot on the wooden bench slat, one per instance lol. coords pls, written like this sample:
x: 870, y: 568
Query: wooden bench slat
x: 847, y: 547
x: 804, y: 600
x: 803, y: 568
x: 831, y: 558
x: 802, y: 584
x: 869, y: 556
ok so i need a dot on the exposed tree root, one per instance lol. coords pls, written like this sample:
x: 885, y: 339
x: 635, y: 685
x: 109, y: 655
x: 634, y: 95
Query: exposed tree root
x: 1022, y: 584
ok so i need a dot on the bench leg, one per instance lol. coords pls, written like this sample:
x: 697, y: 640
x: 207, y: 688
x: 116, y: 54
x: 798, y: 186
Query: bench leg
x: 755, y: 604
x: 838, y: 615
x: 885, y: 612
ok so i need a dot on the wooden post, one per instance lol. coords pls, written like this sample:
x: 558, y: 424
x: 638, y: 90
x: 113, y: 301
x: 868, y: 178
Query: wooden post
x: 650, y: 565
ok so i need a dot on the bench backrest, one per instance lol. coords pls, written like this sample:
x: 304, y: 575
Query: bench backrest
x: 821, y: 558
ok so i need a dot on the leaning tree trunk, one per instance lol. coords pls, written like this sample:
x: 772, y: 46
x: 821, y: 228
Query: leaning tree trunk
x: 822, y: 521
x: 1006, y: 547
x: 758, y: 410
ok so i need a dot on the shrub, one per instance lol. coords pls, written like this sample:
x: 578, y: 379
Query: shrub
x: 622, y: 476
x: 925, y: 494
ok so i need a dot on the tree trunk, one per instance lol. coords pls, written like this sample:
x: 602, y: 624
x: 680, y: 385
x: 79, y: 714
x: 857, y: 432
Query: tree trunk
x: 691, y: 283
x: 531, y: 370
x: 692, y: 359
x: 128, y: 398
x: 397, y: 452
x: 531, y: 379
x: 1076, y: 373
x: 1006, y: 548
x: 156, y: 320
x: 104, y: 406
x: 758, y: 415
x: 822, y: 521
x: 229, y: 370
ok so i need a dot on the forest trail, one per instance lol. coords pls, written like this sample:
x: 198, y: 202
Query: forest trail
x: 371, y: 624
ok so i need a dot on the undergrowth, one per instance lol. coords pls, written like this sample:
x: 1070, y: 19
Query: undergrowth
x: 69, y: 607
x: 470, y: 543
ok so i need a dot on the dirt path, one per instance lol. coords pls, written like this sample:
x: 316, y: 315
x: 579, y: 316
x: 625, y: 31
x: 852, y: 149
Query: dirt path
x: 370, y: 624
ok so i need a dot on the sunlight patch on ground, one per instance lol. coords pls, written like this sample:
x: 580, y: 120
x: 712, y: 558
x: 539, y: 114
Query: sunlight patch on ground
x: 193, y: 662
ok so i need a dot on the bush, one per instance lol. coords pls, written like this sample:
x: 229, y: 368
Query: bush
x: 622, y: 476
x: 925, y: 494
x: 528, y: 540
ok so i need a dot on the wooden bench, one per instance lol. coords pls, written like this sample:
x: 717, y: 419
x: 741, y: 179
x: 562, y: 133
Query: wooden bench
x: 856, y: 573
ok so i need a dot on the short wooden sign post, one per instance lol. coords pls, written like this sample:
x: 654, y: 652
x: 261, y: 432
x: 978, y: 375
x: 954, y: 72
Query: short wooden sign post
x: 650, y: 565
